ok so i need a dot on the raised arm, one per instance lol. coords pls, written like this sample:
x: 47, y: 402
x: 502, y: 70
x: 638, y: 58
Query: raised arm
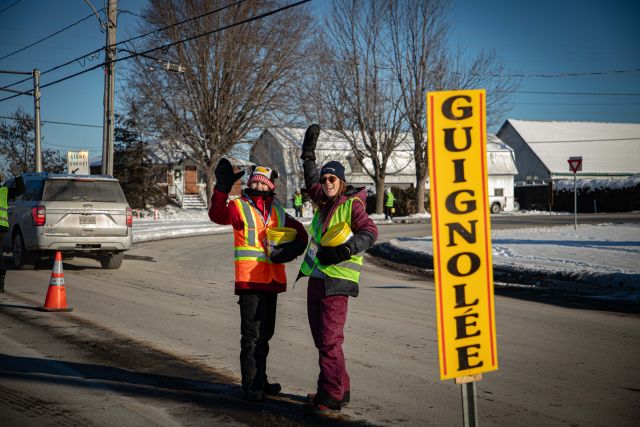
x: 308, y: 156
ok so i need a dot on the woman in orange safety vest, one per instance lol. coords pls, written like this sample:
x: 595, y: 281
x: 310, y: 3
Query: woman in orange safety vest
x: 259, y: 274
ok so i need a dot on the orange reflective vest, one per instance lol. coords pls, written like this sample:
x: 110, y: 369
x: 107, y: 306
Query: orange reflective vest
x: 251, y: 260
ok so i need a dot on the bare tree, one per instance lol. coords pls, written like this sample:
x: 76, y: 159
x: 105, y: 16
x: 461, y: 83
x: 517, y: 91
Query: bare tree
x: 17, y: 147
x: 423, y: 62
x: 233, y: 82
x: 354, y: 87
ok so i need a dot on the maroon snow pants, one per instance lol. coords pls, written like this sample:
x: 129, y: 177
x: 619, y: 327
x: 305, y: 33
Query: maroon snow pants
x: 327, y: 317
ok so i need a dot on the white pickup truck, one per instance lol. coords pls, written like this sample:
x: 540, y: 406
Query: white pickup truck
x: 497, y: 204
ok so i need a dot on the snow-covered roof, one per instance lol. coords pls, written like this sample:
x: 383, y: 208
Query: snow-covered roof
x: 608, y: 148
x: 166, y: 152
x: 332, y: 145
x: 330, y: 140
x: 500, y: 157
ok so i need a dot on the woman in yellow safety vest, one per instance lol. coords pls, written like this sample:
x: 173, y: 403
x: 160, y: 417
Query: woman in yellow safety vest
x: 333, y: 271
x: 259, y: 273
x: 297, y: 203
x: 388, y: 204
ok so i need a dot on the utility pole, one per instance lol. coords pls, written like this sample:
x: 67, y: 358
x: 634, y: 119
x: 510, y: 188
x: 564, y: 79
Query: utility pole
x: 109, y: 83
x: 36, y: 117
x: 36, y: 110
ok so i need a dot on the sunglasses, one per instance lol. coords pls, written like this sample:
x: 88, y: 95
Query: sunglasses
x: 331, y: 179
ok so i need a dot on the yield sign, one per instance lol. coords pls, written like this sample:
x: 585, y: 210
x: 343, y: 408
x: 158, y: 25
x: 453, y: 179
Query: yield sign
x: 575, y: 164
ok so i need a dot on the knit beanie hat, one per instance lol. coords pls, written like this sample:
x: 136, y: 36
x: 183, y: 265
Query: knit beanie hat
x: 264, y: 175
x: 334, y: 168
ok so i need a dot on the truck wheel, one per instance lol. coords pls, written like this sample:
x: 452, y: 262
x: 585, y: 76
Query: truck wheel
x: 22, y: 258
x: 516, y: 206
x: 495, y: 208
x: 112, y: 261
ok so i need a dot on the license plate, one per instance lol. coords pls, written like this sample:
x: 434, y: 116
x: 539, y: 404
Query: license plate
x: 87, y: 219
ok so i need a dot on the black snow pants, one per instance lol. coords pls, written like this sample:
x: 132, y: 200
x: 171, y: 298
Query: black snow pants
x: 258, y: 321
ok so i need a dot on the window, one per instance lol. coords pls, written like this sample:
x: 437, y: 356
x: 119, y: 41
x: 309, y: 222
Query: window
x: 17, y: 190
x: 33, y: 189
x: 90, y: 191
x: 356, y: 167
x: 498, y: 192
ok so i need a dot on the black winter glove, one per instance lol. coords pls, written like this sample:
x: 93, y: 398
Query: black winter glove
x: 287, y: 251
x: 309, y: 144
x: 225, y: 177
x: 330, y: 255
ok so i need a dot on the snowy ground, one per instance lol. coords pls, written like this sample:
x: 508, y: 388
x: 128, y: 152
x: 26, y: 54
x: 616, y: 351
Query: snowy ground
x: 602, y: 259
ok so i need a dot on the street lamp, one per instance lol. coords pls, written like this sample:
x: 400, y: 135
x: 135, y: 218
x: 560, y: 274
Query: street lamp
x: 176, y: 68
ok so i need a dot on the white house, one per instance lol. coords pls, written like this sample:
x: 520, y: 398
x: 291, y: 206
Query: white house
x: 280, y: 148
x: 178, y: 175
x: 501, y: 166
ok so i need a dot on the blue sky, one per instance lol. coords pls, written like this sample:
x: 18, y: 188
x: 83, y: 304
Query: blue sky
x: 532, y: 37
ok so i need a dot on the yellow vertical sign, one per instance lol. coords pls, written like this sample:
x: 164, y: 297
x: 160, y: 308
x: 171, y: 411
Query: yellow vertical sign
x: 461, y: 232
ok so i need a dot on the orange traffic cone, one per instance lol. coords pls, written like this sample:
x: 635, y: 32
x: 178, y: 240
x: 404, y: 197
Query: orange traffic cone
x: 56, y: 294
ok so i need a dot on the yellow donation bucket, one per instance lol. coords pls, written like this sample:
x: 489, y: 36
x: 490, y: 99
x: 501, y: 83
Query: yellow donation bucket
x: 279, y: 235
x: 336, y: 235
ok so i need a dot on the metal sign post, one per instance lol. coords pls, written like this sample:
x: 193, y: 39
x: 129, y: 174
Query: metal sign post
x: 469, y: 407
x: 575, y: 165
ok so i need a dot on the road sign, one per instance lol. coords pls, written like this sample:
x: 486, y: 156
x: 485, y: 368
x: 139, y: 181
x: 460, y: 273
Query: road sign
x: 575, y: 164
x: 461, y: 232
x: 78, y: 162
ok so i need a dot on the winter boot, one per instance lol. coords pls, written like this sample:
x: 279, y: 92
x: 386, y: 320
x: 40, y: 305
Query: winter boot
x: 344, y: 402
x: 271, y: 389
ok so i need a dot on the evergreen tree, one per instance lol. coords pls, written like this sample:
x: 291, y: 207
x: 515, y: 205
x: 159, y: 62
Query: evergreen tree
x: 132, y: 167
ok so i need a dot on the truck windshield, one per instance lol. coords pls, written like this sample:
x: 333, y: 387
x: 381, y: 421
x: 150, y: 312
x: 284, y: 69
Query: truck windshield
x: 76, y: 190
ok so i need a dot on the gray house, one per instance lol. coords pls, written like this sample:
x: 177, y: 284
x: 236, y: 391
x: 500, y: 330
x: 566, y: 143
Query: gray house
x: 542, y: 149
x: 610, y: 155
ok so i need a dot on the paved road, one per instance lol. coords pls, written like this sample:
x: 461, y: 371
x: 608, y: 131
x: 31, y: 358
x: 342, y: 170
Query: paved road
x: 559, y: 364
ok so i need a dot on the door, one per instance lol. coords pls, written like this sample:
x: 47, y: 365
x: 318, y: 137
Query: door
x: 191, y: 180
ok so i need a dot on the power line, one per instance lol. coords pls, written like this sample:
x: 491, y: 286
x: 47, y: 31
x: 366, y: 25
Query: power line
x: 570, y: 74
x: 123, y: 42
x: 571, y: 93
x: 588, y: 140
x: 157, y: 30
x: 576, y: 103
x: 552, y: 75
x: 89, y: 146
x: 48, y: 37
x: 51, y: 121
x: 10, y: 6
x: 97, y: 51
x: 168, y: 45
